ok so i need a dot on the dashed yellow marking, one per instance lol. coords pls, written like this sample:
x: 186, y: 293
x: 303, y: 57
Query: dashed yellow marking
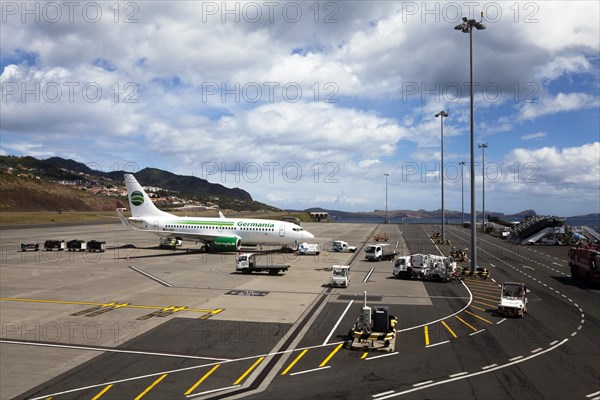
x: 477, y: 316
x: 96, y: 397
x: 241, y: 378
x: 449, y: 330
x: 326, y: 360
x: 113, y: 304
x: 465, y: 322
x: 149, y: 388
x: 365, y: 354
x: 478, y: 308
x: 485, y: 304
x: 426, y: 333
x: 285, y: 371
x: 195, y: 385
x: 485, y: 297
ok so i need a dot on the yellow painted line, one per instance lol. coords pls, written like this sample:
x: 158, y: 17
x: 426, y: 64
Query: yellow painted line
x: 365, y: 354
x: 87, y: 303
x: 96, y: 397
x: 241, y: 378
x: 325, y: 361
x: 426, y: 332
x: 195, y: 385
x: 477, y: 316
x: 465, y: 322
x: 485, y: 304
x: 479, y: 308
x: 486, y: 296
x: 449, y: 330
x: 92, y: 303
x: 149, y: 388
x: 285, y: 371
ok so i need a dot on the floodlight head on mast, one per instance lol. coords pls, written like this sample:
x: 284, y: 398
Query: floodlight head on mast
x: 441, y: 114
x: 468, y: 24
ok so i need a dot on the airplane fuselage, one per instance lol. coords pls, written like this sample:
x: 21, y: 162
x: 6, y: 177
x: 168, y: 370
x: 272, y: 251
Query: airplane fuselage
x: 251, y: 232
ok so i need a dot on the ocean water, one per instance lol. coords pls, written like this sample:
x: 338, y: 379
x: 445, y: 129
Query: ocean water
x: 591, y: 222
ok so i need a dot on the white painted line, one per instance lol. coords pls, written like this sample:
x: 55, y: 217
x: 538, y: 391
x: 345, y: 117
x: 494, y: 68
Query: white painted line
x: 553, y: 343
x: 515, y: 358
x: 489, y: 366
x: 501, y: 321
x: 536, y: 350
x: 459, y: 374
x: 422, y: 383
x: 574, y: 333
x: 382, y: 355
x: 383, y: 394
x: 338, y: 322
x: 560, y: 265
x: 368, y: 275
x: 189, y: 396
x: 447, y: 316
x: 475, y: 333
x: 579, y: 327
x: 528, y: 267
x: 467, y: 376
x: 310, y: 370
x: 154, y: 278
x: 592, y: 394
x: 111, y: 350
x: 437, y: 344
x: 582, y: 321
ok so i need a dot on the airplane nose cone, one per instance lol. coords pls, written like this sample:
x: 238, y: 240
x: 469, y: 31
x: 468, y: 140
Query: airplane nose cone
x: 308, y: 235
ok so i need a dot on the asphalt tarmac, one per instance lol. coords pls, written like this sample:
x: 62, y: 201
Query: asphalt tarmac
x: 141, y: 322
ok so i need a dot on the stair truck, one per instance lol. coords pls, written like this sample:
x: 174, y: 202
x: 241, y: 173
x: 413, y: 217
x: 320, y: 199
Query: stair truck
x: 379, y: 251
x: 340, y: 275
x: 246, y: 264
x: 375, y: 329
x: 585, y: 263
x: 513, y: 299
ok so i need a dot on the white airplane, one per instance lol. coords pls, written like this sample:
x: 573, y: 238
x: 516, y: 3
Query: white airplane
x: 215, y: 234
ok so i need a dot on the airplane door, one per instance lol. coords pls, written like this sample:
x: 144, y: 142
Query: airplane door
x: 155, y: 225
x: 281, y: 230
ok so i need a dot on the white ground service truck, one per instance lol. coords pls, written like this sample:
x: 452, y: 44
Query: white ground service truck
x: 341, y: 246
x: 379, y: 252
x: 340, y: 275
x: 424, y: 266
x: 309, y: 249
x: 513, y: 300
x: 246, y: 264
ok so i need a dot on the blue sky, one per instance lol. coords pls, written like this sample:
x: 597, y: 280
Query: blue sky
x: 309, y: 104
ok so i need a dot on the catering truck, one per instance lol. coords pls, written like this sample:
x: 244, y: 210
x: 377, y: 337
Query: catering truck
x: 379, y: 251
x: 246, y: 264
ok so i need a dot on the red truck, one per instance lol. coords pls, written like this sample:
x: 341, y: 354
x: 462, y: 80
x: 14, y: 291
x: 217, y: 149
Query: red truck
x: 584, y: 262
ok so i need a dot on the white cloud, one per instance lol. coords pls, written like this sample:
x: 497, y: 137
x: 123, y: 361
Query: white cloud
x: 562, y: 102
x: 533, y: 136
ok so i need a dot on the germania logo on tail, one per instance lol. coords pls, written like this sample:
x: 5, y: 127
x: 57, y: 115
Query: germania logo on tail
x: 214, y: 234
